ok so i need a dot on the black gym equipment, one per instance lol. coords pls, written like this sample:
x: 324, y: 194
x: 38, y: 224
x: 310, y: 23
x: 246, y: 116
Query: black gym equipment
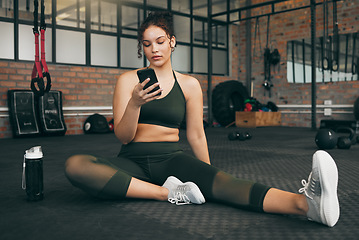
x: 23, y: 113
x: 345, y: 142
x: 51, y: 118
x: 242, y: 136
x: 356, y: 109
x: 32, y: 115
x: 326, y: 139
x: 272, y: 106
x: 335, y: 124
x: 96, y: 123
x: 227, y: 98
x: 37, y: 76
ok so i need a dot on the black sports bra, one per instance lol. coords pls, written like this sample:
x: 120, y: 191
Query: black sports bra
x: 168, y: 111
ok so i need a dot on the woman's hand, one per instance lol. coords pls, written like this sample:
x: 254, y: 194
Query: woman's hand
x: 141, y: 96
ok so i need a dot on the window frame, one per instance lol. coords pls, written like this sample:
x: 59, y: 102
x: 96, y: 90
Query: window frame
x: 119, y: 33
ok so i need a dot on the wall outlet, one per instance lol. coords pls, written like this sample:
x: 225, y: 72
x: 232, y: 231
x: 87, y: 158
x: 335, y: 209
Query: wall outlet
x: 327, y: 111
x: 327, y: 102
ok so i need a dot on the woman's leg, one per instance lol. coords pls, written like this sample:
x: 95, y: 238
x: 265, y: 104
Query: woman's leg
x: 319, y: 203
x: 283, y: 202
x: 103, y: 179
x: 145, y: 190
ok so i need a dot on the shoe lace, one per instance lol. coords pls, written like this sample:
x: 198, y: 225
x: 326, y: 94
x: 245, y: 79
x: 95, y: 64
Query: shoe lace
x: 180, y: 197
x: 312, y: 185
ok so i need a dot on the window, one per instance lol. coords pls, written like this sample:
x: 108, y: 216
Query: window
x: 182, y: 28
x: 128, y: 51
x: 104, y: 32
x: 7, y: 44
x: 130, y: 20
x: 200, y: 32
x: 6, y: 9
x: 103, y: 50
x: 26, y: 10
x: 219, y: 36
x: 181, y: 59
x: 157, y: 3
x: 27, y: 43
x: 182, y: 6
x: 200, y: 62
x: 103, y: 16
x: 333, y: 62
x: 219, y: 60
x: 219, y: 7
x: 71, y: 13
x: 200, y: 8
x: 70, y: 47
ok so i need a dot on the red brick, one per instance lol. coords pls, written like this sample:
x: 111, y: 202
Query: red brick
x: 102, y: 81
x: 16, y: 77
x: 7, y: 84
x: 4, y: 64
x: 69, y: 74
x: 8, y: 70
x: 83, y: 97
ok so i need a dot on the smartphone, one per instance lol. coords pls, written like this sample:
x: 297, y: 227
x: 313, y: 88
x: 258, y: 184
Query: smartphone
x: 148, y: 73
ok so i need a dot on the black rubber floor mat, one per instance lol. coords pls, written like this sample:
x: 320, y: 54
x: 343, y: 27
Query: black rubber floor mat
x: 276, y: 156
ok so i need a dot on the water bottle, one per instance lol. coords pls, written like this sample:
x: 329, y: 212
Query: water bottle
x: 32, y: 174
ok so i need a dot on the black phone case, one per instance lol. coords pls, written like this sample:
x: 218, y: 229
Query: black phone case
x: 148, y: 73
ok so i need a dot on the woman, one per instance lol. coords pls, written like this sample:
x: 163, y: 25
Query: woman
x: 151, y: 165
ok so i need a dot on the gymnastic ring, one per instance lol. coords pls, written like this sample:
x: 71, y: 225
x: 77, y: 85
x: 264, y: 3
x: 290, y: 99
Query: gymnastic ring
x: 335, y: 66
x: 325, y: 63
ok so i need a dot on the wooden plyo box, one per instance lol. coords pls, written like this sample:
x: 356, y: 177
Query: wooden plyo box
x: 258, y: 119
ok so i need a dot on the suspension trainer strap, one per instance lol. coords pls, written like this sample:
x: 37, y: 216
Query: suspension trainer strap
x: 267, y: 84
x: 326, y: 50
x: 37, y: 74
x: 43, y: 58
x: 335, y: 58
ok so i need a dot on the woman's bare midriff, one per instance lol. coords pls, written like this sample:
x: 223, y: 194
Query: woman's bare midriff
x: 155, y: 133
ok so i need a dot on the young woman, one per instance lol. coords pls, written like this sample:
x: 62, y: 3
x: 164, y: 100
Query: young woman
x: 151, y: 164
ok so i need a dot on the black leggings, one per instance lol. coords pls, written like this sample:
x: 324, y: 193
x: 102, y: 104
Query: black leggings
x: 154, y: 162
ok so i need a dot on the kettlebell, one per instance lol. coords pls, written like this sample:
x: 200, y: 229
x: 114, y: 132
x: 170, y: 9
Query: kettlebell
x: 242, y: 136
x: 345, y: 142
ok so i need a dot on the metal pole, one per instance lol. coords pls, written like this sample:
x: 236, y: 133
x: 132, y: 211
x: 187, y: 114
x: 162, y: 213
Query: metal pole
x: 249, y: 49
x: 209, y: 88
x: 314, y: 95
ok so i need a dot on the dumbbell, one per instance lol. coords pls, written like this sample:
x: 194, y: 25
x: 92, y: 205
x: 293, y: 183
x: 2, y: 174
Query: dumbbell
x: 242, y: 136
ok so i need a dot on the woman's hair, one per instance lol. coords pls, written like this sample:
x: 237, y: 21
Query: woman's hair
x: 161, y: 19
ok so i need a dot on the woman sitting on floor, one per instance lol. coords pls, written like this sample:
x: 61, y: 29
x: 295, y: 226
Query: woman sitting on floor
x: 151, y: 164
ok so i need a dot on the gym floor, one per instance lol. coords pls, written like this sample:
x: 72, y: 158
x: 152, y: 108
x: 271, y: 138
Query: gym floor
x: 276, y: 156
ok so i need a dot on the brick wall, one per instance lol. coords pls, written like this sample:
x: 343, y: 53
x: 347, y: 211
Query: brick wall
x: 295, y: 25
x: 81, y: 87
x: 93, y: 86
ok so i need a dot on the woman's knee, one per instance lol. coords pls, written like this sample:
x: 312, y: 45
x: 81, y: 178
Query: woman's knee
x: 75, y: 165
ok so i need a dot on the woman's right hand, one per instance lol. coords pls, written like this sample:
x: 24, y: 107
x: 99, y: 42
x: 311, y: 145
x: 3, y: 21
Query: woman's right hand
x: 141, y: 96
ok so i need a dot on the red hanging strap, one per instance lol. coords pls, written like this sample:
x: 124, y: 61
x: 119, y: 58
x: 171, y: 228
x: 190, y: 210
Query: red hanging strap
x: 43, y: 60
x: 37, y: 74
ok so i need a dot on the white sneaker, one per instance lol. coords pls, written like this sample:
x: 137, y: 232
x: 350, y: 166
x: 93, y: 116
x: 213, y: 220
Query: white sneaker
x: 321, y: 190
x: 183, y: 193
